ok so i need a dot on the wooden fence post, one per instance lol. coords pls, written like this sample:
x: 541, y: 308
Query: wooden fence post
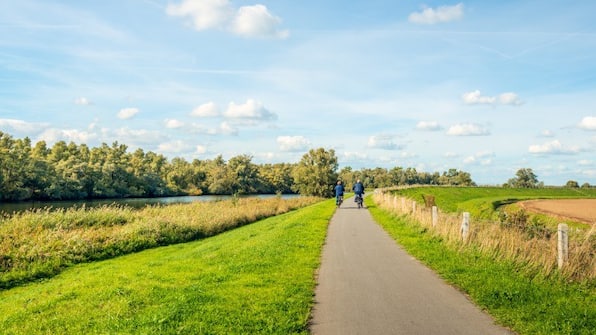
x: 562, y: 244
x: 465, y: 225
x: 435, y: 216
x: 413, y: 207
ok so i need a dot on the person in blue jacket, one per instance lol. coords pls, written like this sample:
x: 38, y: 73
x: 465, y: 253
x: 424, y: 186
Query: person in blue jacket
x: 358, y: 189
x: 339, y: 193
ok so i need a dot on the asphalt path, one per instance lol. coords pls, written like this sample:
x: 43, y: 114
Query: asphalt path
x: 368, y: 284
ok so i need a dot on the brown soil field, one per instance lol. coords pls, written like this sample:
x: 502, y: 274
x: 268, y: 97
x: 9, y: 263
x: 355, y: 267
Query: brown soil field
x: 582, y: 210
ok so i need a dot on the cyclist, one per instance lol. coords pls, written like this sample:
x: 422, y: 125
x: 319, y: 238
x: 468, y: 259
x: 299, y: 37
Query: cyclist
x: 358, y: 189
x: 339, y: 193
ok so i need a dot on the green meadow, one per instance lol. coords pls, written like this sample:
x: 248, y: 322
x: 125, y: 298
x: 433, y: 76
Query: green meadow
x: 256, y: 279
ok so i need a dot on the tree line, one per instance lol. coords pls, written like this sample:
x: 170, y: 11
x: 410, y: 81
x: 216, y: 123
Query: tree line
x: 69, y: 171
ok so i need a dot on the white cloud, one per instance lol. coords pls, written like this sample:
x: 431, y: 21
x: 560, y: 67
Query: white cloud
x: 136, y: 136
x: 257, y: 21
x: 438, y: 15
x: 293, y: 143
x: 209, y: 109
x: 82, y: 101
x: 205, y: 14
x: 428, y: 126
x: 474, y: 98
x: 553, y: 147
x: 450, y: 154
x: 174, y: 124
x: 510, y: 98
x: 127, y: 113
x: 467, y: 129
x: 588, y: 123
x: 251, y: 110
x: 23, y: 126
x: 226, y: 128
x: 383, y: 142
x: 68, y: 135
x: 200, y: 149
x: 247, y: 21
x: 480, y: 158
x: 174, y: 147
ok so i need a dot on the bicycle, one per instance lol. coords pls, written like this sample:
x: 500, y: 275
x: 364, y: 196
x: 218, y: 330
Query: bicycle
x: 358, y: 200
x: 338, y: 200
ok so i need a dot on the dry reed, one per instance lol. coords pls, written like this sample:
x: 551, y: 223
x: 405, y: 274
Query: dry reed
x: 535, y: 254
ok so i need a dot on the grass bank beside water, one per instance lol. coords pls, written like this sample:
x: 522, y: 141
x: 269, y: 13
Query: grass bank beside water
x: 515, y: 295
x: 257, y: 279
x: 39, y: 244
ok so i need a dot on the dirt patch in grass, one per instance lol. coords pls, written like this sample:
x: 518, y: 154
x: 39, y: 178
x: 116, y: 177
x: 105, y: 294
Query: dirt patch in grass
x: 582, y: 210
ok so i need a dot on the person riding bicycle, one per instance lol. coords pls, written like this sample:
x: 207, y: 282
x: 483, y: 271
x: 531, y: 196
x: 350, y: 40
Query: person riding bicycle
x: 358, y: 189
x: 339, y: 192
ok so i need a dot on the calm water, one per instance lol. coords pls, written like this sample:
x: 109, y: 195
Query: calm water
x: 10, y: 208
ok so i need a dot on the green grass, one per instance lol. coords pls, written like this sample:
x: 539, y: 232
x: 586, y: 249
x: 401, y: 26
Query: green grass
x: 526, y: 304
x: 482, y: 202
x: 257, y: 279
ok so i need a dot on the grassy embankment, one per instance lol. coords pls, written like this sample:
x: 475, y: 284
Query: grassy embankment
x: 39, y: 244
x: 505, y: 271
x: 257, y: 279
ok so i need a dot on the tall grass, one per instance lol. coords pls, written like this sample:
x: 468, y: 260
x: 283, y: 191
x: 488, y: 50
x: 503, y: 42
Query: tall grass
x: 258, y: 279
x: 39, y: 244
x: 536, y: 254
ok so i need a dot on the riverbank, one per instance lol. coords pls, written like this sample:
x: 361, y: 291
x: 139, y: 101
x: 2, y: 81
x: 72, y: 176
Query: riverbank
x: 40, y: 244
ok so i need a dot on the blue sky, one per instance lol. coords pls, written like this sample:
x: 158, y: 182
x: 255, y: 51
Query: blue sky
x: 487, y: 87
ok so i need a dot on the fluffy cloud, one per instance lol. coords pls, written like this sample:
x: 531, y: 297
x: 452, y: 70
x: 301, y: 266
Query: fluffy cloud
x: 553, y: 147
x: 467, y: 129
x: 547, y: 133
x: 127, y: 113
x: 67, y: 135
x: 174, y: 124
x: 175, y: 147
x: 475, y: 98
x: 428, y: 126
x: 251, y: 110
x: 383, y: 142
x: 23, y: 126
x: 293, y: 143
x: 247, y: 21
x: 257, y: 21
x: 588, y: 123
x: 509, y: 98
x: 480, y: 158
x: 206, y: 110
x: 136, y: 136
x: 439, y: 15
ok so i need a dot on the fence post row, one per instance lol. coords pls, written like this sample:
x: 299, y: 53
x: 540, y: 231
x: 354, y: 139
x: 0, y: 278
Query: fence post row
x: 465, y: 225
x: 562, y: 244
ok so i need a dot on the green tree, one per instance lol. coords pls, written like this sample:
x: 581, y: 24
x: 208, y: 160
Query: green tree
x: 525, y: 178
x: 572, y: 184
x: 316, y: 173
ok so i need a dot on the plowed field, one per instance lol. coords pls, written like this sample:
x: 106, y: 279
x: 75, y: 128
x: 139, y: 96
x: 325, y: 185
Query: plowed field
x: 582, y: 210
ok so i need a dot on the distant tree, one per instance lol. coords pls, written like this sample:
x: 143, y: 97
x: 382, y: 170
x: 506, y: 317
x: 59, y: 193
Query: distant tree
x: 525, y: 178
x: 572, y: 184
x: 586, y: 185
x: 316, y: 173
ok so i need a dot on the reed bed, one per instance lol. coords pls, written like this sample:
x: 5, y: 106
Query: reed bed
x: 535, y: 254
x: 39, y: 244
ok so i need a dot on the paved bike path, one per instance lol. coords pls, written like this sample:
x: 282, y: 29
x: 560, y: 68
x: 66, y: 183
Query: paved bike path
x: 368, y: 284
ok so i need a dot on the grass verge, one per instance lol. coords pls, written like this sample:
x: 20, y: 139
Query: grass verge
x: 40, y: 244
x: 257, y: 279
x: 526, y: 304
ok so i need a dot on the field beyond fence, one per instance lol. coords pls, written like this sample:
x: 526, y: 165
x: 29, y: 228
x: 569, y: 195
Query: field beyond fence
x: 534, y: 248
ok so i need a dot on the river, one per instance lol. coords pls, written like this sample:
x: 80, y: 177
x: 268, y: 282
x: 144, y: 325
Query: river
x: 12, y: 207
